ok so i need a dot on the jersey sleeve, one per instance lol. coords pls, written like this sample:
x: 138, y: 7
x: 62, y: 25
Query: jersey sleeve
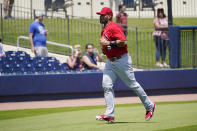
x: 107, y: 35
x: 31, y: 28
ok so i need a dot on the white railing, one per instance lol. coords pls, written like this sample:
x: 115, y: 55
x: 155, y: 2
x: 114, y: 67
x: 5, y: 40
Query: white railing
x: 48, y: 42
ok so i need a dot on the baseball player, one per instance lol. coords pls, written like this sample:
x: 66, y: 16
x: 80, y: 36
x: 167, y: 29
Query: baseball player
x: 114, y: 46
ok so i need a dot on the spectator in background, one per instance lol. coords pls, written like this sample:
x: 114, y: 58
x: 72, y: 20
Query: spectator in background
x: 2, y: 53
x: 117, y: 3
x: 121, y: 19
x: 74, y: 62
x: 8, y: 4
x: 91, y: 57
x: 47, y: 5
x: 37, y: 36
x: 161, y: 37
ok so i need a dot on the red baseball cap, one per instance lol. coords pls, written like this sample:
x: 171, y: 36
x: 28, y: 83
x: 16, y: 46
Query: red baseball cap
x: 105, y: 11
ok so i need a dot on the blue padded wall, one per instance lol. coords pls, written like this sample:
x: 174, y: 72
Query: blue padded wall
x: 92, y: 82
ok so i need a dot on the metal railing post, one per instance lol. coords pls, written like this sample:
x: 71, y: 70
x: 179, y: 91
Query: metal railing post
x: 1, y: 22
x: 34, y: 11
x: 31, y: 8
x: 68, y: 30
x: 194, y: 47
x: 136, y: 31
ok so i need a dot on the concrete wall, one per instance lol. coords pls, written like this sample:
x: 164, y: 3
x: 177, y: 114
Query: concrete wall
x: 88, y: 8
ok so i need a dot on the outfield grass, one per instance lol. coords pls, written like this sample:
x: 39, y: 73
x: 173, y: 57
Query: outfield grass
x: 83, y: 31
x: 168, y: 116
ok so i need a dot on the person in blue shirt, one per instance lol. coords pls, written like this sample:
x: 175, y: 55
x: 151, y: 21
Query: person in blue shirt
x: 91, y: 57
x: 37, y: 36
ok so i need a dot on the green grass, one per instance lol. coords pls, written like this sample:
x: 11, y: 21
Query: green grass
x: 184, y: 128
x: 83, y: 31
x: 168, y: 116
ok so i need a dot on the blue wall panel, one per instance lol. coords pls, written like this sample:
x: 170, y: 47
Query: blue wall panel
x: 92, y: 82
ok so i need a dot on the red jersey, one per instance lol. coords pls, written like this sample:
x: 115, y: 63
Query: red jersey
x: 113, y: 32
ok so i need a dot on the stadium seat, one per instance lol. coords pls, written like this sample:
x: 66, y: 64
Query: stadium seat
x: 39, y: 67
x: 21, y: 59
x: 49, y: 67
x: 57, y: 4
x: 64, y: 67
x: 10, y: 53
x: 47, y: 4
x: 40, y: 59
x: 7, y: 68
x: 18, y: 68
x: 130, y: 4
x: 147, y: 4
x: 52, y: 59
x: 58, y: 67
x: 29, y: 68
x: 22, y: 53
x: 31, y: 60
x: 10, y: 59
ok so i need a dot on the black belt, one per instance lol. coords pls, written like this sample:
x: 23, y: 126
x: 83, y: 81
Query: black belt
x: 114, y: 58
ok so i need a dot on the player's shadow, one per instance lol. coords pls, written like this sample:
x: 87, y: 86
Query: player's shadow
x: 125, y: 122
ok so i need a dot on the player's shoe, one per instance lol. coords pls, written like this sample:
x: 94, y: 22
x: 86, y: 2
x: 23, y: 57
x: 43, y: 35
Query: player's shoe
x: 149, y: 114
x: 105, y: 118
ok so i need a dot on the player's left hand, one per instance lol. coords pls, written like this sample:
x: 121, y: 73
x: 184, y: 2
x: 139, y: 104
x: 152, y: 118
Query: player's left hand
x: 104, y: 42
x: 121, y: 43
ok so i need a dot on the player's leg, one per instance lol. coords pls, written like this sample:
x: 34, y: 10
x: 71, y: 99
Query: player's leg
x: 126, y: 73
x: 108, y: 79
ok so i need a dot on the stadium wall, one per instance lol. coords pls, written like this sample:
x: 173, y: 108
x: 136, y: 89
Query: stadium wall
x: 16, y: 85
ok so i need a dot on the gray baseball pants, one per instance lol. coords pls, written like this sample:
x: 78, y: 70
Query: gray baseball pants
x: 121, y: 68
